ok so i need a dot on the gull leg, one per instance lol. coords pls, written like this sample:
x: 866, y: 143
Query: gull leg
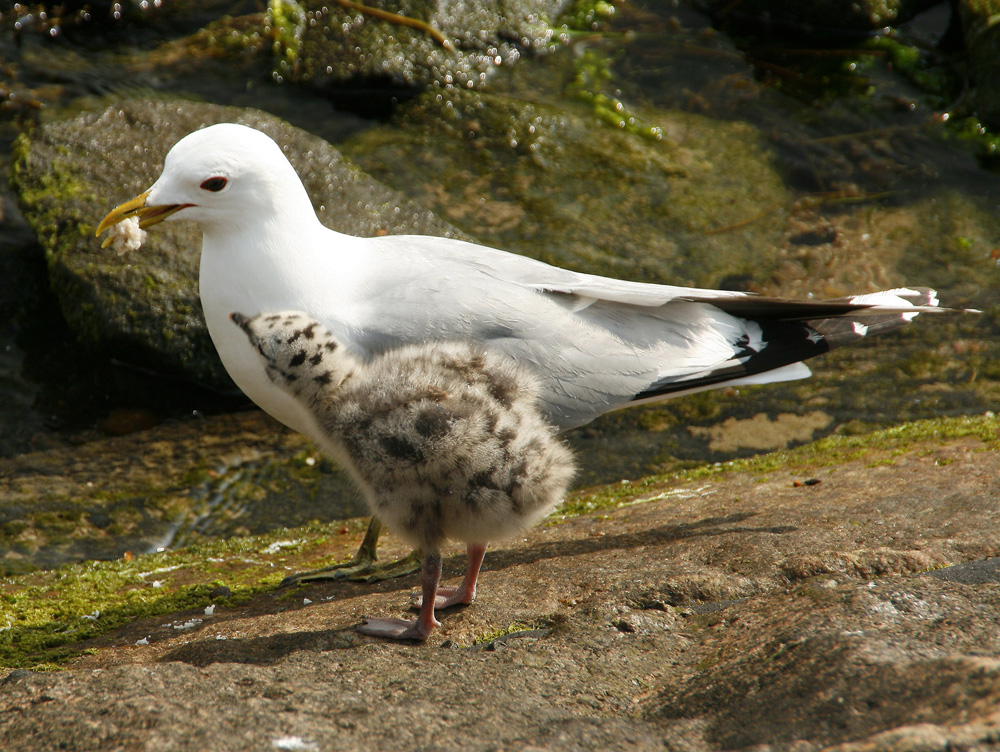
x: 425, y: 623
x: 363, y: 567
x: 464, y: 593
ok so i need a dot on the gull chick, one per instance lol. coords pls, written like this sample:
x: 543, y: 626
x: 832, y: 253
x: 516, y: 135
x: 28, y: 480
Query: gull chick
x: 595, y: 344
x: 445, y: 440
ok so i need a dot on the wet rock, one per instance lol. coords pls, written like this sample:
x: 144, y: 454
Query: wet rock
x: 760, y: 432
x: 685, y: 620
x: 828, y: 19
x: 16, y: 414
x: 971, y: 573
x: 327, y: 45
x: 982, y: 41
x: 145, y: 307
x: 168, y: 486
x: 107, y: 19
x: 839, y: 664
x: 672, y: 202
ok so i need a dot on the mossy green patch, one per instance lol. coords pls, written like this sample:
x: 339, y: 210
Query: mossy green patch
x: 512, y: 628
x: 287, y: 21
x: 588, y: 15
x: 46, y: 195
x: 824, y: 453
x: 938, y: 82
x: 45, y: 616
x: 543, y: 149
x: 593, y: 73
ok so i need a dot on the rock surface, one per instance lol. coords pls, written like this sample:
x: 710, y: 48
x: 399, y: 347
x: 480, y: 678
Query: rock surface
x: 512, y: 170
x: 826, y: 19
x: 982, y: 40
x: 327, y: 45
x: 169, y: 486
x: 736, y: 610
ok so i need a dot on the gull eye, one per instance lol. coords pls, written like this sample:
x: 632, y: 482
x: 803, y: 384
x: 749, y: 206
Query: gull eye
x: 214, y: 184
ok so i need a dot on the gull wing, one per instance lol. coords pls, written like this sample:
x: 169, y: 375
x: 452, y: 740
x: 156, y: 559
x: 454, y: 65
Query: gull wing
x: 599, y: 344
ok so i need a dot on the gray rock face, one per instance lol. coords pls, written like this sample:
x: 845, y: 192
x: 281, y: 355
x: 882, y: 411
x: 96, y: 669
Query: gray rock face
x: 326, y: 45
x: 821, y: 17
x: 145, y: 306
x: 731, y: 612
x: 982, y: 39
x: 839, y: 662
x: 169, y: 486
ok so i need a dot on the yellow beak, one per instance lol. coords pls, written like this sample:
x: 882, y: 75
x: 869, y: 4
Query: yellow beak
x: 136, y: 207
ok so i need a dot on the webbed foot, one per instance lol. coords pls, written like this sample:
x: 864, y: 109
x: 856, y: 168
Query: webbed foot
x: 445, y: 598
x: 400, y: 629
x: 364, y: 566
x: 360, y: 569
x: 466, y: 592
x: 395, y: 629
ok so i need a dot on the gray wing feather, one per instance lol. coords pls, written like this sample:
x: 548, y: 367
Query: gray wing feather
x: 599, y: 344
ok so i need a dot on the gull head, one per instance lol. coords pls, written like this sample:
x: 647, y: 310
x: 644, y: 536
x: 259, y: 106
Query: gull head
x: 225, y: 175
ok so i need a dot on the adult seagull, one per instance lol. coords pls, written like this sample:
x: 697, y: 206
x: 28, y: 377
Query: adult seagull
x: 597, y: 344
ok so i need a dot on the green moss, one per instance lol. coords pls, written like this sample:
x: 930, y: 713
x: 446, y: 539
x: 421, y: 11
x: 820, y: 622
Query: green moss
x: 46, y: 615
x: 513, y: 628
x: 287, y: 21
x: 56, y: 184
x: 937, y: 82
x: 232, y: 38
x: 984, y: 140
x: 592, y: 74
x: 588, y: 15
x: 827, y: 452
x: 884, y: 462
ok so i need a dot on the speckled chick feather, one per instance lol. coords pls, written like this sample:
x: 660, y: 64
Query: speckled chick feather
x: 444, y: 439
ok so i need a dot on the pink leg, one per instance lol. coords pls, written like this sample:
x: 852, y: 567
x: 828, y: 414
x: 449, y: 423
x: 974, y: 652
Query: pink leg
x: 466, y: 592
x: 424, y: 624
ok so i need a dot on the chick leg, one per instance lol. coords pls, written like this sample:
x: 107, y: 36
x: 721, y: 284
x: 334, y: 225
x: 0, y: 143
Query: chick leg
x: 466, y: 592
x: 363, y: 567
x: 425, y: 623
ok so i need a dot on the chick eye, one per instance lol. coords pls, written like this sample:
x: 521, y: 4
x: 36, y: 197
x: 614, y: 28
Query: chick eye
x: 214, y: 184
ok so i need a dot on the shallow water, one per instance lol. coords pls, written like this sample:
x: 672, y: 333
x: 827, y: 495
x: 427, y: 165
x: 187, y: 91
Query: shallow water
x: 875, y: 191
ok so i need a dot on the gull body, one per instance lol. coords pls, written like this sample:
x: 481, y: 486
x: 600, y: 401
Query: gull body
x: 595, y: 344
x: 444, y: 439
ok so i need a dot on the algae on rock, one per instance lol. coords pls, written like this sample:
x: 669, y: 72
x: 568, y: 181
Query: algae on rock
x: 511, y: 171
x: 327, y: 44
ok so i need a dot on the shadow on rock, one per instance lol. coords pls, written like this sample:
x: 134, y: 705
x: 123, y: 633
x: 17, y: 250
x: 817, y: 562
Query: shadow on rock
x: 710, y: 526
x: 263, y: 651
